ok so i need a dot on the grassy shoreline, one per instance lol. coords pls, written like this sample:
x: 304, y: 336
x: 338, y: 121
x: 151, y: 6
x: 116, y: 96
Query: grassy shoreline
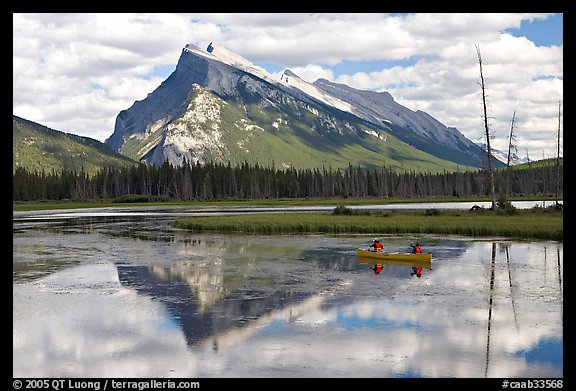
x: 524, y: 224
x: 535, y: 223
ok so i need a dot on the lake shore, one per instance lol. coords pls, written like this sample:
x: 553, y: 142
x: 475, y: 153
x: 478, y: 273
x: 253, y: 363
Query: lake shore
x: 528, y: 221
x: 21, y: 206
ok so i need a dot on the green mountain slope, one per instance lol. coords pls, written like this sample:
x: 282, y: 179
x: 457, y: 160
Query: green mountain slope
x: 549, y: 162
x: 298, y: 141
x: 283, y: 135
x: 36, y: 147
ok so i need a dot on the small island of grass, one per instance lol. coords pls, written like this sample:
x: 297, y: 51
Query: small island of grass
x: 535, y: 223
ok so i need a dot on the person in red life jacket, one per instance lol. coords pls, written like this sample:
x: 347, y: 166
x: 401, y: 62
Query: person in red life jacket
x: 416, y: 271
x: 377, y: 268
x: 376, y: 246
x: 416, y: 248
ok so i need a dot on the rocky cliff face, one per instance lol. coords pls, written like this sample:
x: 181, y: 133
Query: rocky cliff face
x: 168, y: 101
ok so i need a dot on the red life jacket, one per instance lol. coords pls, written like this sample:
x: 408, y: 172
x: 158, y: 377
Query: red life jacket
x: 418, y: 250
x: 378, y: 246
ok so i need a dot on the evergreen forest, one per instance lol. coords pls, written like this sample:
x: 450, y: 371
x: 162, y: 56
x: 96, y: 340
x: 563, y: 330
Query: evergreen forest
x: 215, y: 181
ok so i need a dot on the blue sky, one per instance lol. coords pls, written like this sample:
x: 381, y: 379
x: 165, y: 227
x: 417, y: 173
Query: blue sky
x: 76, y: 72
x: 546, y: 32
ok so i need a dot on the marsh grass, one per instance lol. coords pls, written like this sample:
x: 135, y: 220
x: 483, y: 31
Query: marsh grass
x: 535, y: 224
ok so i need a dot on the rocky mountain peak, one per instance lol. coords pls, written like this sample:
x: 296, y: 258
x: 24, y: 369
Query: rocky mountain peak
x: 289, y: 117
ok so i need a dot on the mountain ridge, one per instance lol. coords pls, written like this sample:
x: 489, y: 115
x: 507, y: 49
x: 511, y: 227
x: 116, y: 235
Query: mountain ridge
x: 38, y: 148
x: 323, y: 112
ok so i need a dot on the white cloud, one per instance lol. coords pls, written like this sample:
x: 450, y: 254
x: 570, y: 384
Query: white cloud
x: 76, y: 72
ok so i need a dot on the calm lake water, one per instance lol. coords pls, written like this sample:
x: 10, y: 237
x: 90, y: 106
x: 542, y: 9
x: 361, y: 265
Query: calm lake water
x: 118, y: 292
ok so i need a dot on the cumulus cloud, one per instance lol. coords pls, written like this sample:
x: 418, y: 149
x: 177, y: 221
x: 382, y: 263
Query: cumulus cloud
x: 76, y: 72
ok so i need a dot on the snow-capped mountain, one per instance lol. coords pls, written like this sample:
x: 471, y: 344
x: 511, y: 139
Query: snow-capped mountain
x: 217, y: 106
x: 503, y: 156
x: 220, y: 53
x: 291, y: 80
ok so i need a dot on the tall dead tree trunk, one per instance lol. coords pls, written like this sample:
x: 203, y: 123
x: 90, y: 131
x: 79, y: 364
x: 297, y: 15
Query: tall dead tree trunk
x: 511, y: 153
x: 558, y: 160
x: 488, y: 150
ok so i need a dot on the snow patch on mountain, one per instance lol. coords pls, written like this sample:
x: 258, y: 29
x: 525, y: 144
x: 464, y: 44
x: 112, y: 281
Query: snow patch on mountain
x: 503, y: 156
x: 220, y: 53
x: 290, y: 79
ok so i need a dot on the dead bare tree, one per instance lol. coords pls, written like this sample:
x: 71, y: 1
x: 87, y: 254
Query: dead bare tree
x: 511, y: 152
x: 558, y: 159
x: 488, y: 150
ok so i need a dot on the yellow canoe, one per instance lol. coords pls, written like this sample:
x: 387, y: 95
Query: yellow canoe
x: 396, y: 258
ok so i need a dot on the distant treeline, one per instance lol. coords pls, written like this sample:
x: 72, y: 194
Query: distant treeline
x: 220, y: 181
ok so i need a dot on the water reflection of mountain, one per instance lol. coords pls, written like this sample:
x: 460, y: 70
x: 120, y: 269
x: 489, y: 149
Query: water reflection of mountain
x: 199, y: 322
x: 207, y: 302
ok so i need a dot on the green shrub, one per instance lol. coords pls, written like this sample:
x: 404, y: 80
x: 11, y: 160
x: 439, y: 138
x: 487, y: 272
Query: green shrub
x: 134, y: 198
x: 342, y: 210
